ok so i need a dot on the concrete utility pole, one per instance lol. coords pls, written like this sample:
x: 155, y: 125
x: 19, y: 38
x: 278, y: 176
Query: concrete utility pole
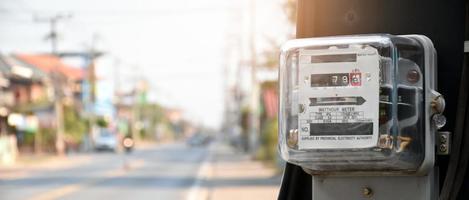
x: 56, y: 80
x: 254, y: 116
x: 139, y: 89
x: 90, y: 55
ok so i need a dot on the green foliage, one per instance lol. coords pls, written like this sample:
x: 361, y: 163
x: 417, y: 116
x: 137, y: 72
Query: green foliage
x: 245, y: 113
x: 268, y: 148
x: 290, y: 10
x: 47, y: 139
x: 30, y: 106
x: 150, y: 114
x: 75, y: 126
x: 28, y: 139
x: 101, y: 122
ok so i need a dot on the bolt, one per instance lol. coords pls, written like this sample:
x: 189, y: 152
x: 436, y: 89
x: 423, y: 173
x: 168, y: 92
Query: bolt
x: 443, y: 148
x: 367, y: 192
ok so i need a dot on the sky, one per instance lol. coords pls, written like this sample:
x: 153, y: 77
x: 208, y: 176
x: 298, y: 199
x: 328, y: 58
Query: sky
x: 180, y: 47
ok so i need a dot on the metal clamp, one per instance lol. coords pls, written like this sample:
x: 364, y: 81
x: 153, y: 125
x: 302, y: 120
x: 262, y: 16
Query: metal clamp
x: 443, y: 142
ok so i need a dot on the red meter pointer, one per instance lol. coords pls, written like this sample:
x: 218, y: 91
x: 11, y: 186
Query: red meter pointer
x: 356, y: 78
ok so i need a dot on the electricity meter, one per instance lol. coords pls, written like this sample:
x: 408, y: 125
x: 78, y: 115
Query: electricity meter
x: 362, y: 104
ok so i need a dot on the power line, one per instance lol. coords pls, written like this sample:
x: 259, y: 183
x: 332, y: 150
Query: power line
x: 112, y: 13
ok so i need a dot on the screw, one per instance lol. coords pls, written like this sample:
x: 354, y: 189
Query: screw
x: 367, y: 192
x: 443, y: 138
x: 368, y: 76
x: 302, y: 108
x: 438, y: 104
x: 439, y: 120
x: 413, y: 76
x: 443, y: 148
x: 292, y: 138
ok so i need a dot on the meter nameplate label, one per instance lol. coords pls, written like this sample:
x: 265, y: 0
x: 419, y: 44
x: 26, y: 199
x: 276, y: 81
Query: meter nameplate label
x: 339, y: 94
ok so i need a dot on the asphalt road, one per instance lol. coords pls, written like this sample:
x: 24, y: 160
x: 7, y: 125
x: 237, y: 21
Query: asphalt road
x: 161, y: 172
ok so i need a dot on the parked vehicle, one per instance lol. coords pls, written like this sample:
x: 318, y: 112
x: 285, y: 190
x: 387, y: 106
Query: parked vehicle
x: 105, y: 140
x: 198, y: 140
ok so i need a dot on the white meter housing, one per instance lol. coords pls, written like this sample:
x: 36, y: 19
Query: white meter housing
x: 358, y: 104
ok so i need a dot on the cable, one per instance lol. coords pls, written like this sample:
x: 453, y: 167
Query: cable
x: 464, y: 155
x: 458, y: 136
x: 459, y: 156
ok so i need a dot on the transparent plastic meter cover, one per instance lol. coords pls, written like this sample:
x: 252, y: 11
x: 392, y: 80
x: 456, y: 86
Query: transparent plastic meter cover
x: 353, y: 103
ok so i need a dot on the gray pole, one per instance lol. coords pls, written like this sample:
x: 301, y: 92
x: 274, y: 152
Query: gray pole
x: 57, y: 83
x: 254, y: 115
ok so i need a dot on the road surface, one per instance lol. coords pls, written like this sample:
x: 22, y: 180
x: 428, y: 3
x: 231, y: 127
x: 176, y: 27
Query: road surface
x: 161, y: 172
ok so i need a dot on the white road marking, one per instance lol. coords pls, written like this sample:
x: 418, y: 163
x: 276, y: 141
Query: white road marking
x: 197, y: 190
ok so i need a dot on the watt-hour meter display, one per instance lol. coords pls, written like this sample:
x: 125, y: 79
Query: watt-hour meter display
x: 358, y: 103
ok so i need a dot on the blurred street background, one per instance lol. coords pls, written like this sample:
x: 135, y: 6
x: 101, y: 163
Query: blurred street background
x: 147, y: 99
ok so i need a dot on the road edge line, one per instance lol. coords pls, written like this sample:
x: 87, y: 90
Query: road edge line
x: 197, y: 190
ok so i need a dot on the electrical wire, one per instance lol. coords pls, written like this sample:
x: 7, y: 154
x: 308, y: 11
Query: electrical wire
x: 460, y: 153
x: 464, y: 155
x: 458, y: 136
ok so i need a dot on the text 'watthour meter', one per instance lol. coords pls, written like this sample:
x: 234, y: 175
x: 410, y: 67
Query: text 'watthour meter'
x: 363, y: 104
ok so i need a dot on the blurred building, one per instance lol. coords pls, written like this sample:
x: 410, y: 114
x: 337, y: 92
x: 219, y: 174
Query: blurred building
x: 24, y: 91
x: 71, y: 77
x: 27, y: 85
x: 24, y: 94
